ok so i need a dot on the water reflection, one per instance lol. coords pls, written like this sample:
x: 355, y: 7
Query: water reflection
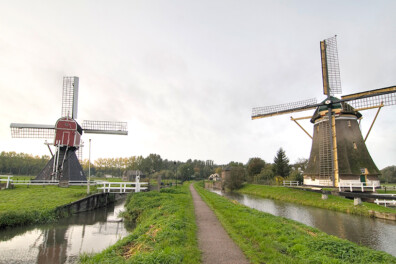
x: 64, y: 241
x: 375, y: 233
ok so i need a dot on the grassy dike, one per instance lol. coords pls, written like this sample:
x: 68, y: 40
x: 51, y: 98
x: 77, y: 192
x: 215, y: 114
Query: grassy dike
x: 36, y: 204
x: 165, y: 230
x: 335, y: 203
x: 265, y: 238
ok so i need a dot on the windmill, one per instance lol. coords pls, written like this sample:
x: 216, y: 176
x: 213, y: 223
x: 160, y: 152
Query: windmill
x: 64, y: 165
x: 338, y: 154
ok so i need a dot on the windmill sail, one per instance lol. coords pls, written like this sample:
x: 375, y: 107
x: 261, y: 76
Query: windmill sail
x: 70, y: 97
x: 273, y: 110
x: 385, y: 96
x: 105, y: 127
x: 330, y: 67
x: 32, y: 131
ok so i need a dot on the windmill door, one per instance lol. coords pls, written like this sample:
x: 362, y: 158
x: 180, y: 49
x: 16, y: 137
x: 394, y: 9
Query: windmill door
x: 363, y: 179
x: 66, y: 138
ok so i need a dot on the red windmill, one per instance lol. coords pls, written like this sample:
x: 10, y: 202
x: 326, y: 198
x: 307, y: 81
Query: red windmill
x: 64, y: 165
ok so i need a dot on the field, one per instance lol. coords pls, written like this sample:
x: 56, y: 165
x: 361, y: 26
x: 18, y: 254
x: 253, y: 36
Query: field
x: 36, y: 204
x: 265, y: 238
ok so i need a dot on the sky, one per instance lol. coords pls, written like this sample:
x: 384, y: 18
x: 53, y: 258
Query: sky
x: 186, y: 74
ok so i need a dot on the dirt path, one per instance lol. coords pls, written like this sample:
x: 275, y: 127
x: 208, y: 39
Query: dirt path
x: 214, y: 242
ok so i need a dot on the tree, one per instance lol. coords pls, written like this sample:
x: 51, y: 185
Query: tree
x: 151, y: 164
x: 185, y: 171
x: 266, y: 175
x: 254, y: 166
x: 301, y: 164
x: 296, y: 175
x: 235, y: 178
x: 388, y: 174
x: 281, y: 164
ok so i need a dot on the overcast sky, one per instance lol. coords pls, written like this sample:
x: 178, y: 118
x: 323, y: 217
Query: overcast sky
x: 186, y: 74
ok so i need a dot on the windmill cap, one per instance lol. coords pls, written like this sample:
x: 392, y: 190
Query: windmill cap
x: 334, y: 103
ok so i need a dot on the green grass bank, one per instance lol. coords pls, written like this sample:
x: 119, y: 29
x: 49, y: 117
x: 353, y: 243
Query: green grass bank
x: 36, y: 204
x: 165, y: 230
x: 335, y: 203
x: 265, y: 238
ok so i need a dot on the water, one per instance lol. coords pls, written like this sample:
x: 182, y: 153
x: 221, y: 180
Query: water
x: 64, y: 241
x: 374, y: 233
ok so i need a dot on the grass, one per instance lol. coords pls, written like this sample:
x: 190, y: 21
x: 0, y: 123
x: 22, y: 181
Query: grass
x: 36, y: 204
x: 335, y: 203
x: 265, y: 238
x: 165, y: 230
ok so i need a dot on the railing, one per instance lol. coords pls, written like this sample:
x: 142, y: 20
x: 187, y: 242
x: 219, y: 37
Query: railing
x: 109, y: 187
x: 8, y: 180
x: 359, y: 185
x: 325, y: 182
x: 291, y: 183
x: 385, y: 202
x: 122, y: 187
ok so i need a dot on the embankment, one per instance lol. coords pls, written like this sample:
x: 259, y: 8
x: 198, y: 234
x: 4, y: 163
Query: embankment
x: 165, y: 230
x: 38, y: 204
x: 335, y: 203
x: 265, y: 238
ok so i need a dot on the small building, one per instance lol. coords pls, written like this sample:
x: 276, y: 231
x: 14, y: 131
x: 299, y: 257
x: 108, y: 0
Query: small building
x: 214, y: 177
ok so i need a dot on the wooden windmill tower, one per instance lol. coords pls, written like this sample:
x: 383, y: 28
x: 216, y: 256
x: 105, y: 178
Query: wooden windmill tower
x: 64, y: 165
x: 339, y: 154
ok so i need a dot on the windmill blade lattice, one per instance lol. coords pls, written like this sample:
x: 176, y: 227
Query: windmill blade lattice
x: 272, y: 110
x: 385, y: 96
x: 105, y: 127
x: 32, y: 131
x: 70, y: 97
x: 330, y: 67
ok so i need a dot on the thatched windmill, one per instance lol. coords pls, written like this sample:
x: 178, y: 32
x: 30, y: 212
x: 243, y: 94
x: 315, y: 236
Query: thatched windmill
x: 339, y: 154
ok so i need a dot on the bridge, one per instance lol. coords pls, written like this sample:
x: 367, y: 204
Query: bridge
x: 122, y: 187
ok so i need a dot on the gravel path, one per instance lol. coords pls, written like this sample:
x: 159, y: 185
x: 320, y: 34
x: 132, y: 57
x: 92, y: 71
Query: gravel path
x: 214, y: 242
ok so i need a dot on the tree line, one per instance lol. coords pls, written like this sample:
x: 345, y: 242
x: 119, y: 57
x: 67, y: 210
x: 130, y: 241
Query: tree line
x: 21, y: 163
x: 260, y: 172
x: 151, y: 166
x: 256, y: 170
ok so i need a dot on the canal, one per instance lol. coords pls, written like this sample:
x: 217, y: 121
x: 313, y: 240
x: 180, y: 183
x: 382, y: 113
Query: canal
x: 374, y: 233
x: 64, y: 241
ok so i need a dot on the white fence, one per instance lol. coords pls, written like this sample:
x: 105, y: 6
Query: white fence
x: 357, y: 185
x: 8, y: 180
x: 385, y: 202
x: 122, y: 187
x: 291, y: 183
x: 105, y: 186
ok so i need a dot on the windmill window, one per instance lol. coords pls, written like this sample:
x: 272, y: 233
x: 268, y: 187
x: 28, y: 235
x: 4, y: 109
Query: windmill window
x: 354, y: 145
x: 349, y: 123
